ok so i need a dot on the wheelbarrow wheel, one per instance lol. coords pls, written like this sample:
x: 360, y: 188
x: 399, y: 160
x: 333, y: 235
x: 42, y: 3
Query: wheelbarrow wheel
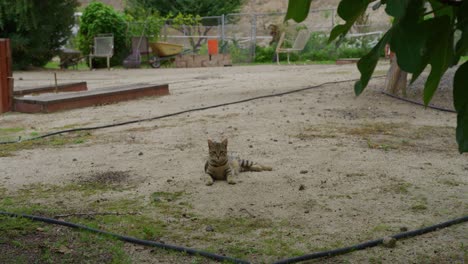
x: 155, y: 62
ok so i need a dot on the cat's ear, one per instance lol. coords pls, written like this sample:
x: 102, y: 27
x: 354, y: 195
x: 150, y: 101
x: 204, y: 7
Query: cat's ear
x: 210, y: 143
x: 224, y: 142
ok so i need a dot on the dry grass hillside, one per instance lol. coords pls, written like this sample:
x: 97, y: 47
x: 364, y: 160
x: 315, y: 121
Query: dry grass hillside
x: 272, y: 6
x: 259, y: 6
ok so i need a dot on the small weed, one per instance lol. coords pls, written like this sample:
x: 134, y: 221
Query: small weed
x: 420, y: 204
x: 382, y: 146
x: 418, y: 207
x: 397, y: 188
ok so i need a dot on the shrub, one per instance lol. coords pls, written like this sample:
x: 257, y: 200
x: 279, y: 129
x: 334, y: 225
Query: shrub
x: 264, y: 54
x: 37, y: 29
x: 143, y: 21
x: 101, y: 19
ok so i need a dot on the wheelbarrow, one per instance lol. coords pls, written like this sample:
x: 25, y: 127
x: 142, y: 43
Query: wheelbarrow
x: 164, y: 51
x: 69, y: 57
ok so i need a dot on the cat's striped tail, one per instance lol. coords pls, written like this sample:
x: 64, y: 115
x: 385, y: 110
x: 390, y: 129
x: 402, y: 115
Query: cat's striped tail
x: 247, y: 165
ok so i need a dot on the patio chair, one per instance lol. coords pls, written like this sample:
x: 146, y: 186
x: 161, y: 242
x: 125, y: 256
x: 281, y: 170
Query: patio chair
x: 103, y: 48
x: 299, y: 44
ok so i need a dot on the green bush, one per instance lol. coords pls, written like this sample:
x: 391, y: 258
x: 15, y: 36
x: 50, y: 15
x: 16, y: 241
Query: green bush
x: 37, y: 29
x: 264, y: 54
x: 318, y: 49
x: 102, y: 19
x: 238, y: 54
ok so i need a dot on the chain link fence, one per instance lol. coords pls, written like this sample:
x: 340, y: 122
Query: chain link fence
x: 239, y: 34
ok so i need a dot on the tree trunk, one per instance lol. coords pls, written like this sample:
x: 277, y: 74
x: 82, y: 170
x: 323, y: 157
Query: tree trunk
x: 396, y: 78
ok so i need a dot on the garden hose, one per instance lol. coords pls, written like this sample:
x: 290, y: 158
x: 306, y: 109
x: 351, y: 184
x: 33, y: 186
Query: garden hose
x: 132, y: 240
x: 418, y: 103
x: 372, y: 243
x: 178, y: 113
x: 191, y: 251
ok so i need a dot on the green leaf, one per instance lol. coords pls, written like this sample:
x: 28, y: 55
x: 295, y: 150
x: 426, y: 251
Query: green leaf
x: 298, y: 10
x: 338, y: 30
x: 349, y: 10
x: 441, y: 9
x: 460, y: 88
x: 460, y: 100
x: 427, y: 26
x: 396, y: 8
x: 367, y: 64
x: 441, y: 50
x: 409, y: 38
x: 461, y: 47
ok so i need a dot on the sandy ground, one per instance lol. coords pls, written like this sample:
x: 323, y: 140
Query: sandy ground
x: 345, y: 169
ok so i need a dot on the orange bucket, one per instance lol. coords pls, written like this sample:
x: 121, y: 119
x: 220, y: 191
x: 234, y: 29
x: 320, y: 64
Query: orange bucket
x: 212, y: 46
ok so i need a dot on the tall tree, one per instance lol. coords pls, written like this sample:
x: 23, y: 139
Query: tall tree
x: 190, y: 7
x: 185, y: 15
x: 37, y: 29
x: 419, y: 36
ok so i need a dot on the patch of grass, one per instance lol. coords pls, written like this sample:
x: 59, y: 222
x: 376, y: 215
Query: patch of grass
x: 420, y: 204
x: 10, y: 130
x: 100, y: 181
x: 418, y: 207
x: 55, y: 65
x: 317, y: 132
x: 375, y: 260
x: 340, y: 196
x: 54, y: 141
x: 368, y: 129
x: 9, y: 134
x: 450, y: 182
x: 165, y: 196
x: 398, y: 188
x: 380, y: 145
x: 306, y: 136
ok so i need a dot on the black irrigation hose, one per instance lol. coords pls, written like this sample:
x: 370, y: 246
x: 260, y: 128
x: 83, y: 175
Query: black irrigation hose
x: 418, y: 103
x: 133, y: 240
x: 179, y: 113
x: 372, y: 243
x: 191, y: 251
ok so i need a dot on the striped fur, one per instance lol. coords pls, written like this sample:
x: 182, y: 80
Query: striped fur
x: 221, y: 166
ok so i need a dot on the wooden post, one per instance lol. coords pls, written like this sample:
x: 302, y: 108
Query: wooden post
x: 6, y: 78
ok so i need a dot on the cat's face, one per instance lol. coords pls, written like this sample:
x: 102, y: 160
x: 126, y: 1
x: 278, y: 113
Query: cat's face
x: 217, y: 150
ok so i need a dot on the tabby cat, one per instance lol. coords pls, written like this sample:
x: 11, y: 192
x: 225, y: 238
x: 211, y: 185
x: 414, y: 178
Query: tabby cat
x: 221, y: 166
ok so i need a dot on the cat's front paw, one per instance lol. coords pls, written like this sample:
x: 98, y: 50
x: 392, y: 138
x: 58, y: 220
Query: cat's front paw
x: 231, y: 181
x: 209, y: 182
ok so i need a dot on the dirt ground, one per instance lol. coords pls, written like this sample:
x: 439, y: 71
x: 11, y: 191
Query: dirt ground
x: 346, y: 169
